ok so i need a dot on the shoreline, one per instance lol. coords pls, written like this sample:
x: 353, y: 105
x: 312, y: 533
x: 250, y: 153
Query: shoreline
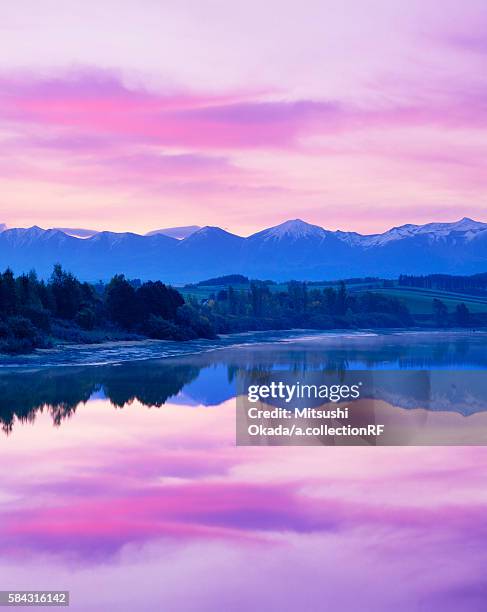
x: 114, y: 352
x: 93, y: 345
x: 318, y: 332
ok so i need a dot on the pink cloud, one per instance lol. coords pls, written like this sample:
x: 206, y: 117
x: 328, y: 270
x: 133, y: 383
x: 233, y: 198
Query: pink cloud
x: 90, y: 130
x: 97, y: 103
x: 89, y: 513
x: 217, y: 510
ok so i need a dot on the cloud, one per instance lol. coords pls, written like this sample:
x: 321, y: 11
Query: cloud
x: 91, y: 129
x: 98, y: 102
x: 95, y: 105
x: 104, y: 512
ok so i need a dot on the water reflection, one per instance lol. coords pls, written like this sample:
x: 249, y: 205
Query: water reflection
x: 150, y: 509
x: 209, y: 378
x: 60, y: 391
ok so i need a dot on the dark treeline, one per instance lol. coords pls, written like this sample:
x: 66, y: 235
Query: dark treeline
x: 474, y: 285
x: 40, y: 314
x: 35, y: 313
x: 229, y: 279
x: 262, y: 307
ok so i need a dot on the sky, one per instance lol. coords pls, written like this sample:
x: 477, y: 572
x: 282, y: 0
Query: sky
x: 132, y: 116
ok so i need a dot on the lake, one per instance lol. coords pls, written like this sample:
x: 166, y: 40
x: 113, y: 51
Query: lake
x: 121, y: 483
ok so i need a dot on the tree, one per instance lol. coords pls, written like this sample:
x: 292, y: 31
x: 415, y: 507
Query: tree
x: 8, y: 293
x: 86, y: 318
x: 298, y: 296
x: 330, y: 300
x: 66, y: 291
x: 158, y: 299
x: 341, y: 300
x: 191, y: 319
x: 232, y: 300
x: 462, y: 315
x: 440, y: 312
x: 256, y: 298
x: 121, y: 302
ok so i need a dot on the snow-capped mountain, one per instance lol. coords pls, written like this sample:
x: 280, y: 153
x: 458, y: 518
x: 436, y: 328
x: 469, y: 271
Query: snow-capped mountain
x: 292, y: 230
x: 211, y: 235
x: 464, y: 228
x: 20, y: 237
x: 444, y: 229
x: 292, y: 250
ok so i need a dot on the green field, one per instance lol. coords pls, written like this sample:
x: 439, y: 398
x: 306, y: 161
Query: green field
x: 419, y: 301
x: 204, y: 292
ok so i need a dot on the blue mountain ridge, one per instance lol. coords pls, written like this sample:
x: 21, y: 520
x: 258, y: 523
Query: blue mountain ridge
x: 292, y: 250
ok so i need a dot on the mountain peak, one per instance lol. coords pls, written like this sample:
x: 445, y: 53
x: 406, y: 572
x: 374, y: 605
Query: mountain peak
x: 209, y: 232
x: 292, y: 229
x: 294, y: 224
x: 179, y: 232
x: 464, y: 224
x: 433, y: 231
x: 467, y: 223
x: 212, y: 230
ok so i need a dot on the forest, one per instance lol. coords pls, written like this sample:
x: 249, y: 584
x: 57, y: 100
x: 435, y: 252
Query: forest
x: 37, y: 313
x: 476, y: 284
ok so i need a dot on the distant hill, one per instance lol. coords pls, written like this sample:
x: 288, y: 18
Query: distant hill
x: 77, y: 232
x: 176, y: 232
x: 291, y: 250
x: 173, y: 232
x: 229, y: 279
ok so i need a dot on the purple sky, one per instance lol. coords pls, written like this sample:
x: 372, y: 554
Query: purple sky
x: 351, y: 115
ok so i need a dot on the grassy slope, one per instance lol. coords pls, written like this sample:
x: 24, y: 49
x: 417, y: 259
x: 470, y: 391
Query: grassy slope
x: 419, y: 301
x: 204, y: 292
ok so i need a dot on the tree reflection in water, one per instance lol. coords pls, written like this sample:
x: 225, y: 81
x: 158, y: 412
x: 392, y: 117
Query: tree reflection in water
x: 60, y: 390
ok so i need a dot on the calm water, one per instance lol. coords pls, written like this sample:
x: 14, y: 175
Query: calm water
x: 122, y: 483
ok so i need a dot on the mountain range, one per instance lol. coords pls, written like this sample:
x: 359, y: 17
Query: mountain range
x: 292, y: 250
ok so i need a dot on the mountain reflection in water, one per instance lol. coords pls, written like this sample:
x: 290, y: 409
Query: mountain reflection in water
x: 209, y: 378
